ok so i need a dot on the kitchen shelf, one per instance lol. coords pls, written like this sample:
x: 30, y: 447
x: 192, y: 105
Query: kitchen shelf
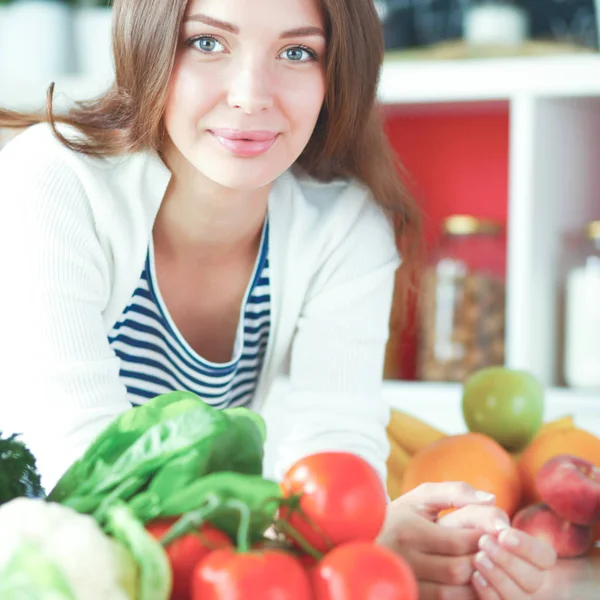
x: 550, y: 110
x: 485, y: 79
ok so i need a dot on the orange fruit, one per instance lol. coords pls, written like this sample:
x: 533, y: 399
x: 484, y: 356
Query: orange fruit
x: 565, y: 422
x: 574, y: 441
x: 473, y: 458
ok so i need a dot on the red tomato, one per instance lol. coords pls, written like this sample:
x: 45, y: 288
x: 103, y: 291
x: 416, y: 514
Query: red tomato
x: 185, y: 552
x: 344, y: 499
x: 307, y: 561
x: 363, y: 571
x: 256, y: 575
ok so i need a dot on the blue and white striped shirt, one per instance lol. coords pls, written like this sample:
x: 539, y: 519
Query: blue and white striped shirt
x: 155, y: 358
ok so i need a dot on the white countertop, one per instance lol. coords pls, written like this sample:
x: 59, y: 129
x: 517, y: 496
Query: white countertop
x: 573, y: 578
x: 439, y: 404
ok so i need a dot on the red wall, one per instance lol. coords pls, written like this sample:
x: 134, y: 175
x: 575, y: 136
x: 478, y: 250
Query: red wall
x: 458, y: 163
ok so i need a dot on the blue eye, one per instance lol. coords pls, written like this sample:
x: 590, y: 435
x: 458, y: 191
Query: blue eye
x: 299, y: 54
x: 207, y: 44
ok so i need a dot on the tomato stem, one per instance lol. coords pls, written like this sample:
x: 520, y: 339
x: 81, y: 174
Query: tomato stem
x: 243, y: 533
x: 292, y: 502
x: 190, y: 521
x: 295, y: 506
x: 289, y: 530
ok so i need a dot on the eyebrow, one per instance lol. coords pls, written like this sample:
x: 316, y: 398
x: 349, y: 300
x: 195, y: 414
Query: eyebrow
x: 310, y: 30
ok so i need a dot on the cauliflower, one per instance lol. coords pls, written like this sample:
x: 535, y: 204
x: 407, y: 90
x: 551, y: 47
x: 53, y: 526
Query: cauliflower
x: 63, y: 553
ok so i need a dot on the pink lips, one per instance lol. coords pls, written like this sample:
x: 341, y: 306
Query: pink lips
x: 245, y: 143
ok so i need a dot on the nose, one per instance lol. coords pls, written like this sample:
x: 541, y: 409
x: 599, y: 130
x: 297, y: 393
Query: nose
x: 250, y: 88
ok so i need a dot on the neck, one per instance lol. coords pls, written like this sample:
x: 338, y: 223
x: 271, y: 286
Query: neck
x: 198, y: 217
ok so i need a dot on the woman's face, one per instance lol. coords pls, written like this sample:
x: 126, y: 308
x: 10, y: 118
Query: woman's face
x: 247, y: 87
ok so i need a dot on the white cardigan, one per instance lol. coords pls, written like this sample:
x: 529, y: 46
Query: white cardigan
x: 74, y: 232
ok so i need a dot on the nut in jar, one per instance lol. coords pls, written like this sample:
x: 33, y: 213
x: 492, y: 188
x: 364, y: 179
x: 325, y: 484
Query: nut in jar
x: 462, y: 313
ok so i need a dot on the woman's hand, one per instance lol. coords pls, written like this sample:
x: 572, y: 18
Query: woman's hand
x: 441, y: 557
x: 445, y: 555
x: 510, y: 565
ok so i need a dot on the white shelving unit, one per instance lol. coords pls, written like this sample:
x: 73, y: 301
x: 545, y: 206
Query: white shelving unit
x: 478, y: 80
x: 554, y: 176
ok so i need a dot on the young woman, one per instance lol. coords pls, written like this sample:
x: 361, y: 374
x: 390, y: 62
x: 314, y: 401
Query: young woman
x: 226, y: 214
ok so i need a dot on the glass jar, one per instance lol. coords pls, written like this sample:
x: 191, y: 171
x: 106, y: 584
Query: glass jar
x: 462, y: 312
x: 495, y: 23
x: 582, y: 314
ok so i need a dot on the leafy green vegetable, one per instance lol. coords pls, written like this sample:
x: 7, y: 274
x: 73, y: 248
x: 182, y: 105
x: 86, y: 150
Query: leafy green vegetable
x: 158, y: 449
x: 120, y: 435
x: 239, y: 449
x: 242, y: 449
x: 215, y: 498
x: 18, y: 471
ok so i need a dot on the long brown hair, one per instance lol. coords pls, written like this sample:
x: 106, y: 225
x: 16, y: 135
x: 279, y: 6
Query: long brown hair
x: 348, y: 141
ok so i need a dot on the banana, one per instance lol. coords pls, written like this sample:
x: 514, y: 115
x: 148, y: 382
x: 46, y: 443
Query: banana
x: 565, y: 422
x: 394, y: 485
x: 411, y: 433
x: 398, y: 458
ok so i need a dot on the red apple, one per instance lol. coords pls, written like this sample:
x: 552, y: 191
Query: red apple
x: 570, y: 486
x: 568, y: 539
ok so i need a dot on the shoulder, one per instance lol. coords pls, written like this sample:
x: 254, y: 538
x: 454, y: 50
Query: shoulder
x: 42, y: 173
x: 329, y: 195
x: 37, y: 159
x: 37, y: 146
x: 342, y: 206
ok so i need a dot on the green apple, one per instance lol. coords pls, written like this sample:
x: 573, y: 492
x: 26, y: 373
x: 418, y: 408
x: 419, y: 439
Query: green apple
x: 505, y: 404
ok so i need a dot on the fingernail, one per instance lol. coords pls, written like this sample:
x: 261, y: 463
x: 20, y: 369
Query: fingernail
x: 484, y: 496
x: 484, y: 561
x: 500, y: 525
x: 478, y: 577
x: 487, y: 544
x: 509, y: 538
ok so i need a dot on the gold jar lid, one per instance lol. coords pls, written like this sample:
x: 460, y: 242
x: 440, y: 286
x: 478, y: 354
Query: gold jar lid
x: 468, y: 225
x: 593, y: 230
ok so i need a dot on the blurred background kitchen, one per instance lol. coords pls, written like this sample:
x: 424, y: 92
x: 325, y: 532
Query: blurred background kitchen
x: 493, y: 108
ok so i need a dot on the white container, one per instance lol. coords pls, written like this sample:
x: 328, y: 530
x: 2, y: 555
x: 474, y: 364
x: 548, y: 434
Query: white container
x: 36, y: 41
x: 582, y: 317
x: 597, y: 5
x: 4, y: 15
x: 93, y: 42
x: 495, y: 24
x: 4, y: 12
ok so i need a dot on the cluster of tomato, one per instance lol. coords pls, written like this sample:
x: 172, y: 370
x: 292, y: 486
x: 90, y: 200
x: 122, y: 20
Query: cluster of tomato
x: 332, y: 554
